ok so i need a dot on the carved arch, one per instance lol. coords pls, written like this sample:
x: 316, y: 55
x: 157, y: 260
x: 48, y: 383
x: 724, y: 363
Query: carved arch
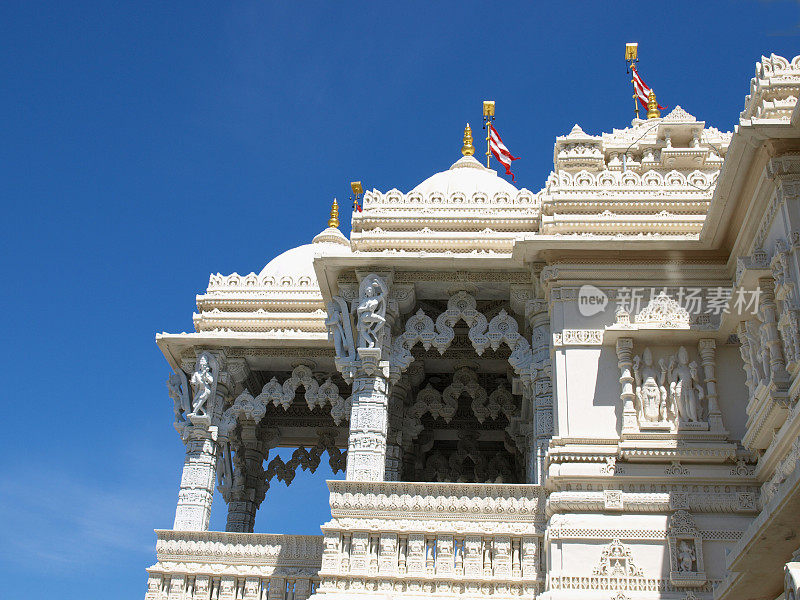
x: 430, y: 400
x: 465, y: 381
x: 248, y: 407
x: 501, y: 329
x: 461, y: 307
x: 245, y: 406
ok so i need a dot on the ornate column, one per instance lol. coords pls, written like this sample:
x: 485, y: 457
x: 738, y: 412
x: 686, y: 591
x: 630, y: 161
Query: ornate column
x: 767, y: 312
x: 707, y: 350
x: 197, y: 481
x: 197, y: 416
x: 394, y: 447
x: 366, y: 447
x: 248, y: 486
x: 541, y: 392
x: 362, y: 354
x: 630, y: 423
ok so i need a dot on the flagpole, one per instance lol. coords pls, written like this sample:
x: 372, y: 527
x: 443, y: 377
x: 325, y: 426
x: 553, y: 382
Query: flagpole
x: 631, y: 58
x: 488, y: 117
x: 488, y: 145
x: 358, y: 190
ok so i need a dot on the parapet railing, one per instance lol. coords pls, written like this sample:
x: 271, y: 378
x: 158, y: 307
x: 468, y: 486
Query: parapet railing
x: 216, y: 565
x: 440, y: 538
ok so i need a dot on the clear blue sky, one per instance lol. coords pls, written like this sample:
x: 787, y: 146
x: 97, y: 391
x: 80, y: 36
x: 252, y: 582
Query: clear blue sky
x: 147, y: 144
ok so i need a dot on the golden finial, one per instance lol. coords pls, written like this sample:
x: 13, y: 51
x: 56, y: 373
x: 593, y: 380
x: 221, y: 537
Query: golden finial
x: 652, y: 106
x: 334, y: 220
x: 467, y: 149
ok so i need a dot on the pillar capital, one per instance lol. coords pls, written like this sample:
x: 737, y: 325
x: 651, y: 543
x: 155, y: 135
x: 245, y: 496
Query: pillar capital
x: 199, y: 398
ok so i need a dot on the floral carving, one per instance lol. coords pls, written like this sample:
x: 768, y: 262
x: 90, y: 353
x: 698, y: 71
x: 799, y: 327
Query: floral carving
x: 663, y: 311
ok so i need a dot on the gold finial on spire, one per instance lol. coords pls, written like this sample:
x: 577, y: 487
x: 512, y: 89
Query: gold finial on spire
x: 334, y: 220
x: 467, y: 149
x: 652, y: 106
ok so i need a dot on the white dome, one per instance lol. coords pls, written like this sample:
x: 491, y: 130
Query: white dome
x: 295, y: 267
x: 466, y: 176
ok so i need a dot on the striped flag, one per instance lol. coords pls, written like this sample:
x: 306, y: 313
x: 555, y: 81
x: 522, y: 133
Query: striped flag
x: 642, y: 91
x: 500, y: 151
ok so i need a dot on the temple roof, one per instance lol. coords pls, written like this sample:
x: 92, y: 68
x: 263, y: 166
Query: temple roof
x: 295, y: 267
x: 284, y: 299
x: 466, y: 176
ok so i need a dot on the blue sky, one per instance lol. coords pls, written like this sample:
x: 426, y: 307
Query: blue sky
x: 146, y: 145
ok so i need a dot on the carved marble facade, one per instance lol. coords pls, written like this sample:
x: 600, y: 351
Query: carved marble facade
x: 585, y: 392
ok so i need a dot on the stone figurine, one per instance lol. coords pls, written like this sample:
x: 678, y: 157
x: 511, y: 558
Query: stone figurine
x: 755, y: 350
x: 685, y: 390
x: 202, y: 381
x: 371, y: 312
x: 686, y: 557
x: 651, y: 392
x: 340, y: 328
x: 177, y: 388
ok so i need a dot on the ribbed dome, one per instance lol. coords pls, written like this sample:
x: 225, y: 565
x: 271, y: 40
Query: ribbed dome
x: 295, y: 267
x: 466, y: 176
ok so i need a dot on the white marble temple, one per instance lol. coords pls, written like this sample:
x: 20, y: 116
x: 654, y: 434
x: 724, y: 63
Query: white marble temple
x: 587, y: 392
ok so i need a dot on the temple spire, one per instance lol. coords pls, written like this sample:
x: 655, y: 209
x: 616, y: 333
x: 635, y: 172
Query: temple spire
x: 652, y: 106
x: 467, y: 149
x: 334, y: 220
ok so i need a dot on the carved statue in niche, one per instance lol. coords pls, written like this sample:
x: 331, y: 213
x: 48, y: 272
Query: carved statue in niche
x: 178, y: 391
x: 685, y: 390
x: 650, y: 388
x: 340, y: 328
x: 685, y: 551
x: 686, y: 556
x: 202, y: 382
x: 756, y: 351
x: 371, y: 312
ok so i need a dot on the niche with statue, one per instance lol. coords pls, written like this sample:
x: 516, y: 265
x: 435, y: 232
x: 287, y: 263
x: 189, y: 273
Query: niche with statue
x: 669, y: 390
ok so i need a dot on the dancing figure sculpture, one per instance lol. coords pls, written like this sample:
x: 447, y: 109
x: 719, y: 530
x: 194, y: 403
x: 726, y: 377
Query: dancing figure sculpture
x: 202, y: 383
x: 371, y: 312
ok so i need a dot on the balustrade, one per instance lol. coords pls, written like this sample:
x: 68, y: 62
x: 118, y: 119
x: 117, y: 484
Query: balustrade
x: 450, y: 539
x: 212, y: 565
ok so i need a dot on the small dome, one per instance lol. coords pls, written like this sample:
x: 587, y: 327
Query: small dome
x: 467, y: 176
x: 295, y: 267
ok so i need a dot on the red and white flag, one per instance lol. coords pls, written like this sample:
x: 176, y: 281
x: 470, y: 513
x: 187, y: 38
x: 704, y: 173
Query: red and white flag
x: 500, y: 151
x: 641, y: 89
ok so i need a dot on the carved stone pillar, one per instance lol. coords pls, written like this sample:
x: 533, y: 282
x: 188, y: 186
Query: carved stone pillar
x: 532, y: 471
x: 625, y: 361
x: 366, y: 447
x: 394, y: 445
x: 707, y: 350
x: 210, y: 386
x: 197, y: 480
x: 542, y: 391
x: 362, y: 355
x: 249, y: 487
x: 768, y: 312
